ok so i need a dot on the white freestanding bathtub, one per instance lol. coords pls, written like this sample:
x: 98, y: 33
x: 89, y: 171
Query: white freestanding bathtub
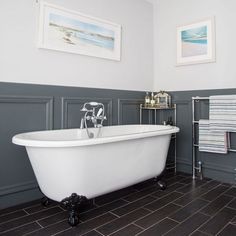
x: 66, y: 161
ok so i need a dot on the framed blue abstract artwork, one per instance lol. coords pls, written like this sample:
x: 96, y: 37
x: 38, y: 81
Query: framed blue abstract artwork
x: 196, y: 42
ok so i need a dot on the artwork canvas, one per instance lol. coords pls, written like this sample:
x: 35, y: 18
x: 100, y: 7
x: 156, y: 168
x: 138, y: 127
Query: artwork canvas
x: 196, y: 43
x: 69, y: 31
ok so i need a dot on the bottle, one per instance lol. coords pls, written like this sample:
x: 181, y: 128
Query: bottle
x: 147, y: 99
x: 152, y: 100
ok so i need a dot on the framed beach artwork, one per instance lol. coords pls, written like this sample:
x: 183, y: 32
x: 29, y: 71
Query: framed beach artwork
x: 71, y: 31
x: 196, y: 42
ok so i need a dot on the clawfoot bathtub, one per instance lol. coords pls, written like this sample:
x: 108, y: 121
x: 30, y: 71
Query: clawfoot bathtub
x: 70, y: 167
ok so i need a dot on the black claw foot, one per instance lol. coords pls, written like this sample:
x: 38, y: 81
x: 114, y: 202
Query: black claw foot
x: 73, y: 219
x: 45, y: 201
x: 72, y: 204
x: 162, y: 184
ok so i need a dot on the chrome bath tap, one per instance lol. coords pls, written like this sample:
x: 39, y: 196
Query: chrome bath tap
x: 90, y: 114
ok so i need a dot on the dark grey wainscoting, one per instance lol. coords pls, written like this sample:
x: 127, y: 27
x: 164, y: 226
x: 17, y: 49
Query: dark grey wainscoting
x: 217, y: 166
x: 28, y: 107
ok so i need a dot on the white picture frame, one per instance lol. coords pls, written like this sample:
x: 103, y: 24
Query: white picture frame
x: 70, y: 31
x: 196, y: 42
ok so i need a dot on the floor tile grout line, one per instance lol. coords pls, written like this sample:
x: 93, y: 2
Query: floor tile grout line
x: 200, y: 232
x: 218, y: 211
x: 212, y: 190
x: 121, y: 198
x: 122, y: 216
x: 135, y: 193
x: 194, y: 198
x: 50, y: 217
x: 60, y: 221
x: 178, y: 222
x: 102, y: 206
x: 195, y: 190
x: 42, y: 209
x: 125, y: 200
x: 222, y: 229
x: 170, y: 229
x: 133, y: 211
x: 154, y: 184
x: 143, y: 206
x: 26, y: 212
x: 81, y: 222
x: 100, y: 216
x: 8, y: 230
x: 99, y: 206
x: 39, y: 224
x: 4, y: 214
x: 190, y: 201
x: 28, y: 222
x: 111, y: 211
x: 114, y: 214
x: 33, y: 230
x: 99, y: 232
x: 12, y: 212
x: 175, y: 190
x: 118, y: 229
x: 230, y: 195
x: 213, y: 201
x: 148, y: 194
x: 197, y: 212
x: 145, y: 229
x: 103, y: 224
x: 35, y: 205
x: 157, y: 221
x: 211, y: 217
x: 198, y: 229
x: 165, y: 204
x: 7, y: 221
x: 16, y: 219
x: 133, y: 223
x: 203, y: 232
x: 183, y: 222
x: 179, y: 204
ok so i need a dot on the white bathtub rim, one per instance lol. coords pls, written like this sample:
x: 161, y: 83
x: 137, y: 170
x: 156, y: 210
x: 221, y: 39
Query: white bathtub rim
x: 21, y: 140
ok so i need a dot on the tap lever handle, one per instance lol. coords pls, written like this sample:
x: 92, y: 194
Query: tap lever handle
x: 100, y: 111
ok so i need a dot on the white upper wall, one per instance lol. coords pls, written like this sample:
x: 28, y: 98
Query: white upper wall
x: 169, y: 14
x: 21, y: 61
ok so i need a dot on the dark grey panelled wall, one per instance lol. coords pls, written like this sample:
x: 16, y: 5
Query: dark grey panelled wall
x: 25, y: 107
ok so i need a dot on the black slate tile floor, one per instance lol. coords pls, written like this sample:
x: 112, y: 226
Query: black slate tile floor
x: 186, y: 207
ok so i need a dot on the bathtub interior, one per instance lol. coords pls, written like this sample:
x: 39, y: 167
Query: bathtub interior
x: 81, y: 134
